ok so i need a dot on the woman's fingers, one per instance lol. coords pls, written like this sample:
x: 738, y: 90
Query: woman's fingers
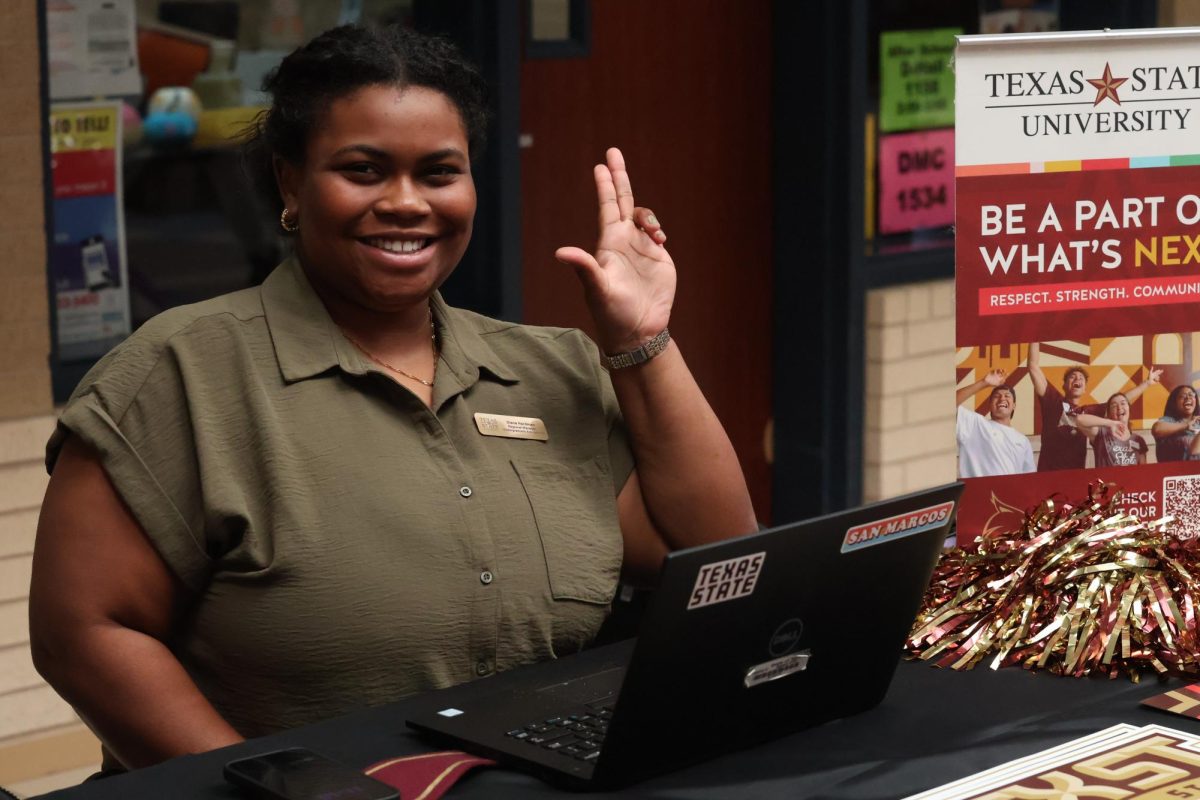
x: 606, y: 193
x: 620, y: 178
x: 644, y: 218
x: 577, y: 257
x: 615, y: 194
x: 586, y: 267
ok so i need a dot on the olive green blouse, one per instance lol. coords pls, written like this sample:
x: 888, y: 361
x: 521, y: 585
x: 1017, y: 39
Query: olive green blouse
x: 346, y: 544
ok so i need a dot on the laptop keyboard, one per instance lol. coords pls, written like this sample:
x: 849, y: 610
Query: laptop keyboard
x: 578, y: 735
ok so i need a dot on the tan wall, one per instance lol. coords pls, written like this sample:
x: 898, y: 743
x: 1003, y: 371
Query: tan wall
x: 39, y: 734
x: 908, y: 429
x: 24, y: 313
x: 1178, y: 13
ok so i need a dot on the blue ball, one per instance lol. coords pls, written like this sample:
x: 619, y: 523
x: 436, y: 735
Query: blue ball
x: 168, y: 128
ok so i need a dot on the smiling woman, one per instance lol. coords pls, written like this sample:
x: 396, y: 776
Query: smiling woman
x: 384, y: 200
x: 373, y: 168
x: 334, y: 490
x: 383, y: 203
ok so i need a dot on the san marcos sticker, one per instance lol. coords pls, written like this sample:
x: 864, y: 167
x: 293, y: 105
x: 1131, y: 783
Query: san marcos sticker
x: 897, y: 527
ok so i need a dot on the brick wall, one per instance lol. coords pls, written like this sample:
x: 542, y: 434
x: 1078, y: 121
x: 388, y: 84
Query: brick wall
x: 908, y: 430
x: 39, y: 734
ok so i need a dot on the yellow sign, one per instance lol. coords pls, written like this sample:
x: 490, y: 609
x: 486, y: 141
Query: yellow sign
x: 75, y: 129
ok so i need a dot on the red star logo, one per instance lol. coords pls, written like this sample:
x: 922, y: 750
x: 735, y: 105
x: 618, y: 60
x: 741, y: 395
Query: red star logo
x: 1106, y: 86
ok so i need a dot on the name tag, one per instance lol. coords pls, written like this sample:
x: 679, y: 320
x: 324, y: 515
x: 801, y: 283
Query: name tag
x: 511, y: 427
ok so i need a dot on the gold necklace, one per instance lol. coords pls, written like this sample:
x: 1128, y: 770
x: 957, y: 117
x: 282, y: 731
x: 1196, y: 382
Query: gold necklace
x: 393, y: 368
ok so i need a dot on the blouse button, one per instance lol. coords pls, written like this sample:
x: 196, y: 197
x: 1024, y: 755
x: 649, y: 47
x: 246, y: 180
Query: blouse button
x: 465, y: 491
x: 482, y: 668
x: 486, y: 577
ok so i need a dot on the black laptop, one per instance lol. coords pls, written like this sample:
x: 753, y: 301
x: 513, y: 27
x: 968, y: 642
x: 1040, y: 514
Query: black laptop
x: 743, y: 640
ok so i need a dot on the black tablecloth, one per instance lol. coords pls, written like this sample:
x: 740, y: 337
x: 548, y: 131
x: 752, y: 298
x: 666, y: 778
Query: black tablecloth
x: 935, y: 726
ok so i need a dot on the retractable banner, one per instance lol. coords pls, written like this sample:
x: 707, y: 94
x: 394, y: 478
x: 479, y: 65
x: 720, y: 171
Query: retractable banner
x: 1077, y: 252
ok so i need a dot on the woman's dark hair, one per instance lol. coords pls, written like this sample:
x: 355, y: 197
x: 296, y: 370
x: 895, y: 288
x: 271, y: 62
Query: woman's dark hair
x: 1173, y: 408
x: 338, y: 63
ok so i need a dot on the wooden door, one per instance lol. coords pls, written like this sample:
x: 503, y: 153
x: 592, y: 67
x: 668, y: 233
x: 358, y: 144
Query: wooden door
x: 683, y: 87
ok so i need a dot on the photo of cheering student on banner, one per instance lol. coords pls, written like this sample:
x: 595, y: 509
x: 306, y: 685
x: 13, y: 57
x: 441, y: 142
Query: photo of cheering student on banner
x: 1063, y: 418
x: 988, y: 444
x: 1113, y: 442
x: 1175, y: 431
x: 1065, y: 434
x: 1077, y: 264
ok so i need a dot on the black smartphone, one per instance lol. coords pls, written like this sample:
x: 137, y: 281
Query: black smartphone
x: 300, y: 774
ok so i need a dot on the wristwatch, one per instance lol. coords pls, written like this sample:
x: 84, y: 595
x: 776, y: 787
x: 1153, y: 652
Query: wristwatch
x: 642, y: 354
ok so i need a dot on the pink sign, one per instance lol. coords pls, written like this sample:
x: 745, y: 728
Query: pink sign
x: 916, y: 180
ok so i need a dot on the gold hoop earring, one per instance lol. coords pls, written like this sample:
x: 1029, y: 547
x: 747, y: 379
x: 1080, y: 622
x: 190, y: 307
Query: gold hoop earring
x: 290, y: 227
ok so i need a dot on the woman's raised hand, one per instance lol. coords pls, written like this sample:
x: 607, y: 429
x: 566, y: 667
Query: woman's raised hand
x: 629, y: 283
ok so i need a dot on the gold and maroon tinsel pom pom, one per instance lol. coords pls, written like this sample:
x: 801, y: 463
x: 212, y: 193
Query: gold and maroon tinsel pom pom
x: 1078, y: 589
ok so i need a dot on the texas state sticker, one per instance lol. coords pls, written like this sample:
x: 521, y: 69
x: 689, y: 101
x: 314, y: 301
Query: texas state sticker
x: 897, y: 527
x: 722, y: 581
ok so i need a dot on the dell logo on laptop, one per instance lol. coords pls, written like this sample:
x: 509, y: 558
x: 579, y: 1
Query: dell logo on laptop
x: 786, y: 637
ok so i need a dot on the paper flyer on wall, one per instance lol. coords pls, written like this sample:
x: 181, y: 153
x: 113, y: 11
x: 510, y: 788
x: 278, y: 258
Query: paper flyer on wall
x: 1077, y: 262
x: 1147, y: 763
x: 91, y: 48
x: 87, y: 253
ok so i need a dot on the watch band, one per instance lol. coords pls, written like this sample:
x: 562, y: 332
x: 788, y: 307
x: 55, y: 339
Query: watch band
x: 642, y: 354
